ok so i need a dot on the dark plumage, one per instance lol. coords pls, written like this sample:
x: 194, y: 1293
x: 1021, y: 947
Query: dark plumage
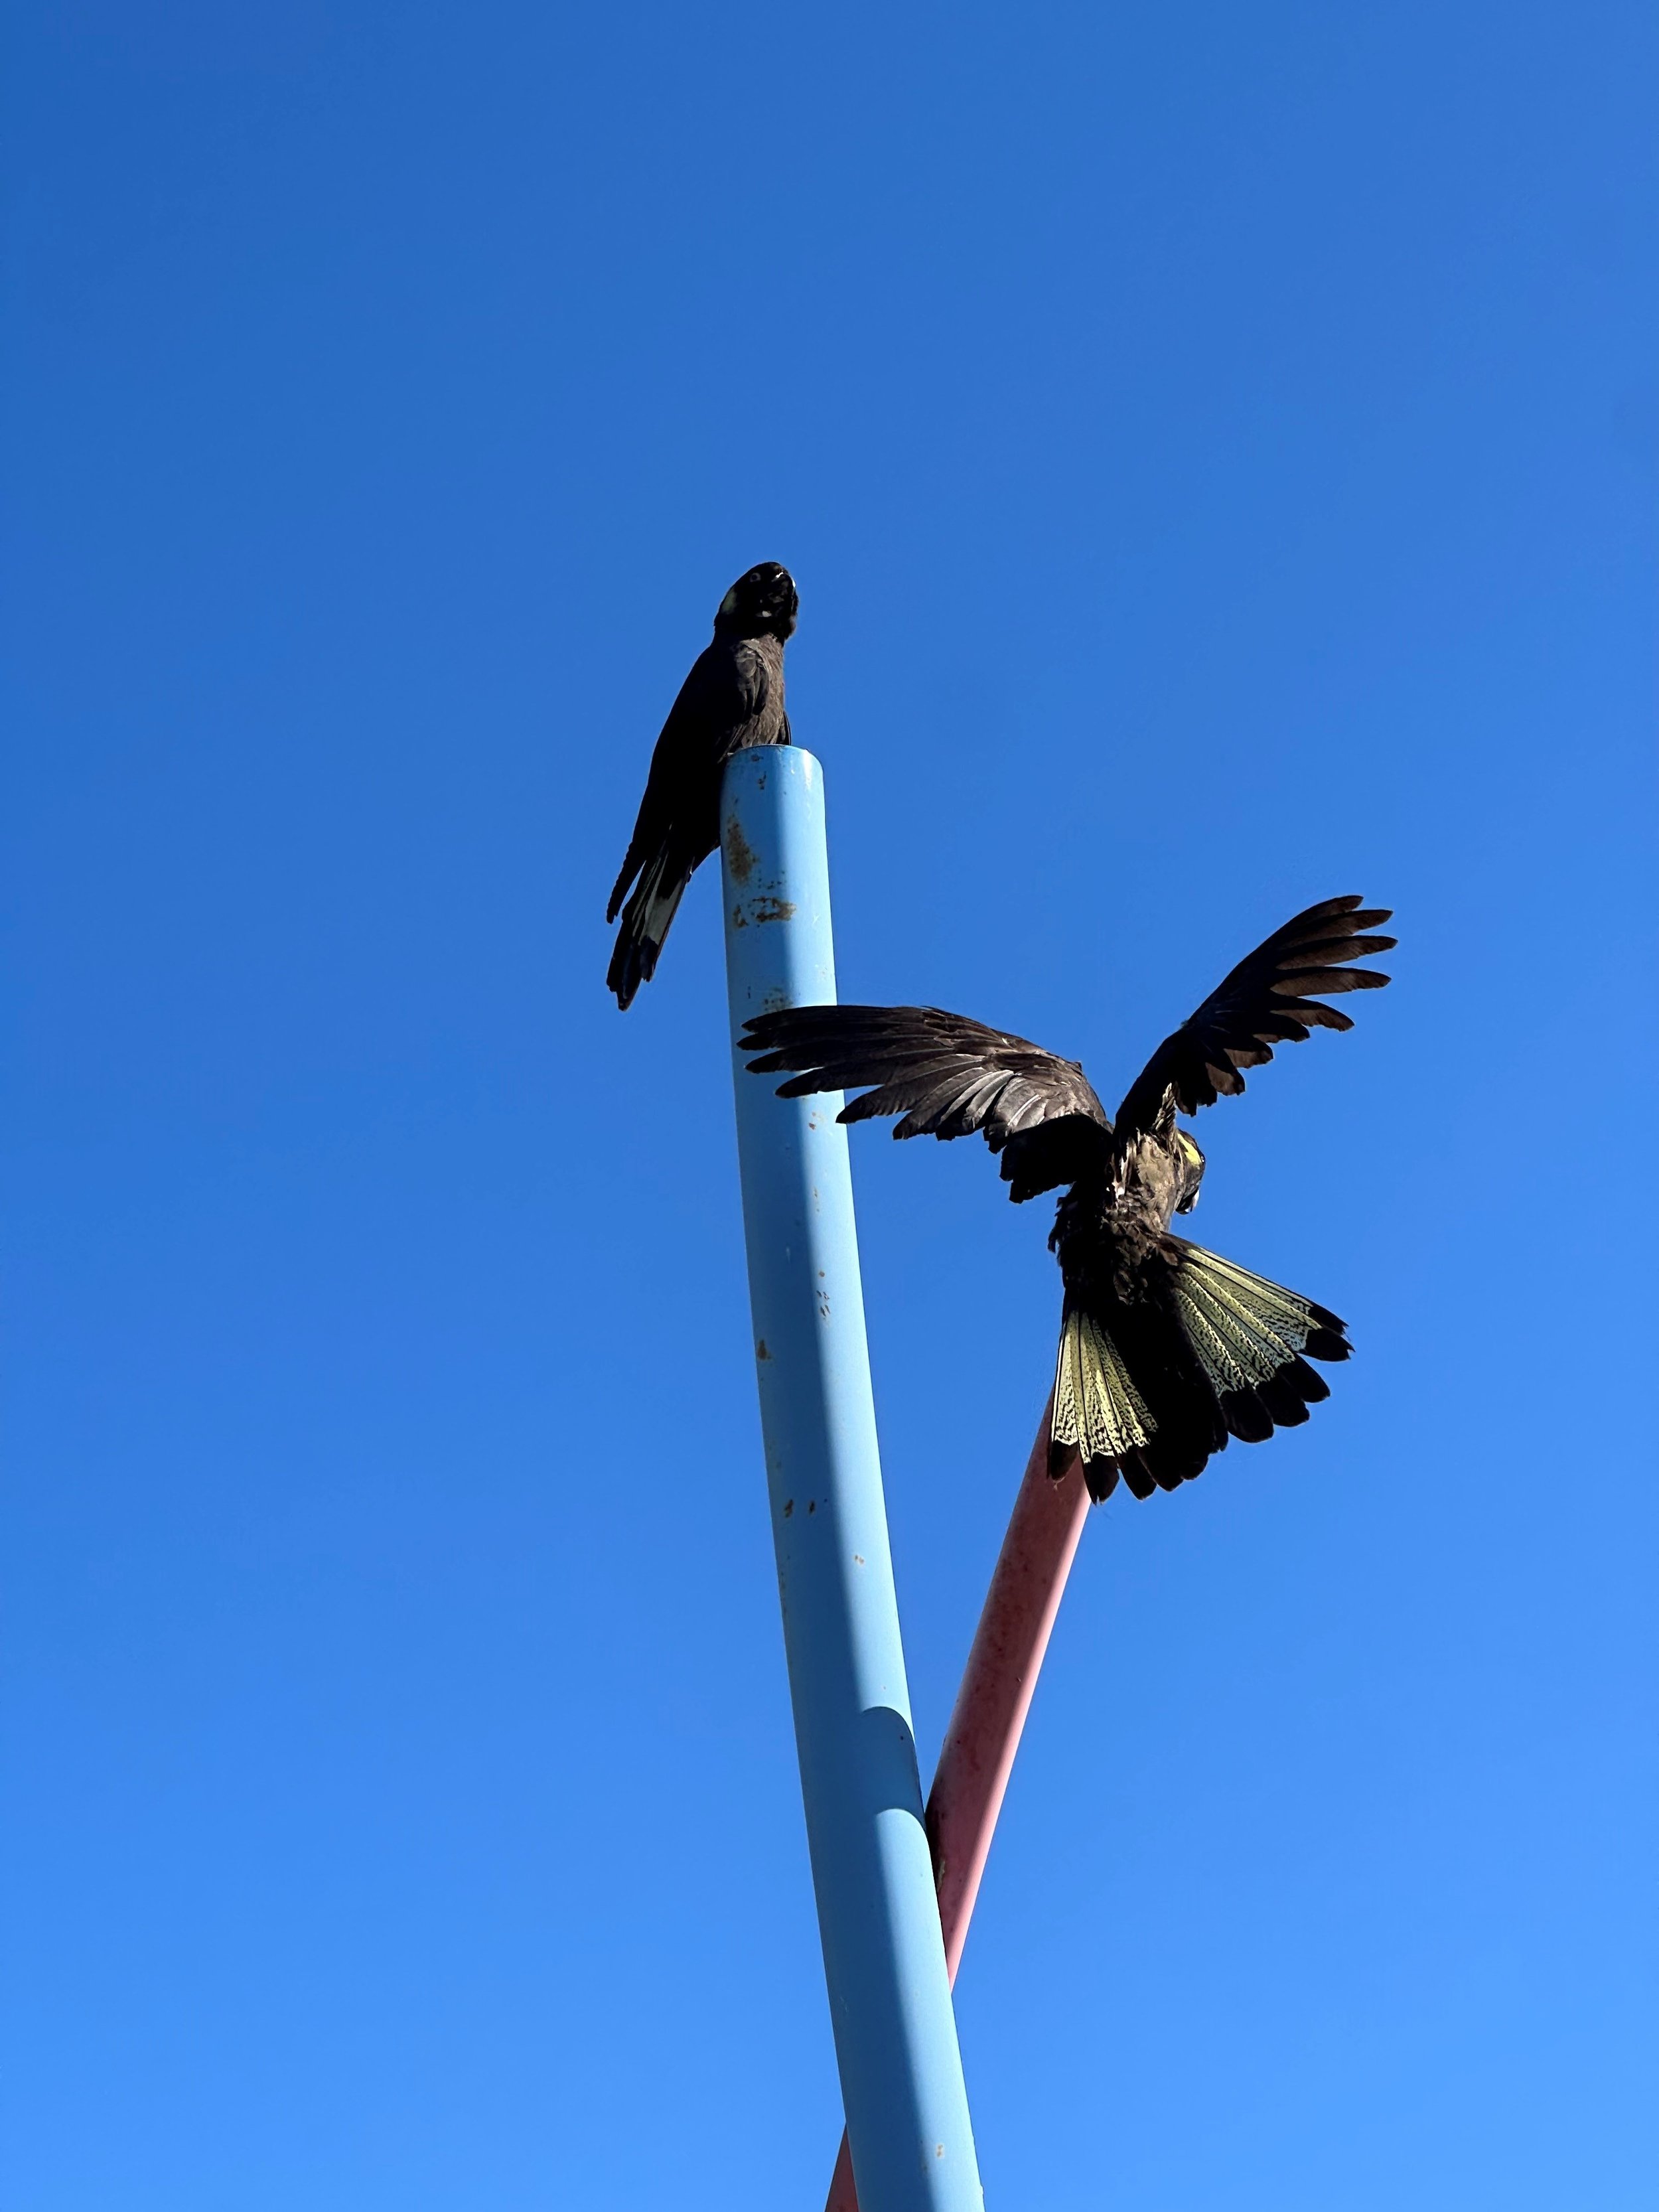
x: 733, y: 697
x: 1165, y: 1350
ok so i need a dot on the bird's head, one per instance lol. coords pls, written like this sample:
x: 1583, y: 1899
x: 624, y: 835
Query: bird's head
x: 1189, y: 1171
x: 762, y: 603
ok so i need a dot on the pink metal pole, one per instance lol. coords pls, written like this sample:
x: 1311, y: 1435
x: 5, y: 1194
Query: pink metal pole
x: 977, y: 1755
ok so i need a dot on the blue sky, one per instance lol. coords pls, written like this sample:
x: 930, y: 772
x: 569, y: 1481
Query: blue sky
x: 1218, y: 450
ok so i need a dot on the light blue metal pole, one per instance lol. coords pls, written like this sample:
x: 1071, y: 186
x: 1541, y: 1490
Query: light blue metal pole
x: 884, y: 1956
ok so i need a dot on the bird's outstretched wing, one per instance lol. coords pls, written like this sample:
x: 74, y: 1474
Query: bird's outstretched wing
x: 1267, y: 1000
x: 948, y: 1077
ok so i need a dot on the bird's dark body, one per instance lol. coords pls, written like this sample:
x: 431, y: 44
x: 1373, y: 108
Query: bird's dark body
x: 732, y: 699
x: 1111, y: 1221
x: 1166, y: 1349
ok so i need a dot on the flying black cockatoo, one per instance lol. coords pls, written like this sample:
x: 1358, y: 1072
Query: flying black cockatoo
x: 733, y: 697
x: 1165, y: 1350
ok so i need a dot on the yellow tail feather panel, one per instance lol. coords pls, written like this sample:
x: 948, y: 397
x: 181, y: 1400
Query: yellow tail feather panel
x: 1097, y: 1407
x: 1242, y: 1328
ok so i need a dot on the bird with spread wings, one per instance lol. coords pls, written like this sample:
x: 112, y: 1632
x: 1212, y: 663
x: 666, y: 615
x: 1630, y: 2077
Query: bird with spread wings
x: 1166, y: 1351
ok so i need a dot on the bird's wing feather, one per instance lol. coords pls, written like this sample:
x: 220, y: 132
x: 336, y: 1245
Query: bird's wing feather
x: 1267, y: 1000
x: 723, y: 695
x: 947, y: 1077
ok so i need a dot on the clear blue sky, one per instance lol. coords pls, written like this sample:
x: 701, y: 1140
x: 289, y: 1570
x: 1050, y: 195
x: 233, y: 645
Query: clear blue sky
x: 1218, y: 451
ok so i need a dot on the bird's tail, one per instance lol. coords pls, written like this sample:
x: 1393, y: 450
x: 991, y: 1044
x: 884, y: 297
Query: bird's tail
x: 645, y: 921
x: 1150, y: 1388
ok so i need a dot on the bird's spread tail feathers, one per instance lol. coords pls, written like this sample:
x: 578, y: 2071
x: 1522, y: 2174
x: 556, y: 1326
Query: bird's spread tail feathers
x: 1245, y: 1329
x: 1098, y: 1412
x: 1150, y: 1389
x: 646, y: 918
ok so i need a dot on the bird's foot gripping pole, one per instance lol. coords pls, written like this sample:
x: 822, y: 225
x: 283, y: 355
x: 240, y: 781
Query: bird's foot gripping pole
x: 977, y: 1755
x: 912, y: 2143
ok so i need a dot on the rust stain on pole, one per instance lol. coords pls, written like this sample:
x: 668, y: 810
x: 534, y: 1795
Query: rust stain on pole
x: 739, y: 852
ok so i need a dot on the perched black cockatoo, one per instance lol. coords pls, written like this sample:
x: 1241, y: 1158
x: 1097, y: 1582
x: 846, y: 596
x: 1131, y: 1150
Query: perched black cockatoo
x: 1165, y: 1350
x: 733, y: 697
